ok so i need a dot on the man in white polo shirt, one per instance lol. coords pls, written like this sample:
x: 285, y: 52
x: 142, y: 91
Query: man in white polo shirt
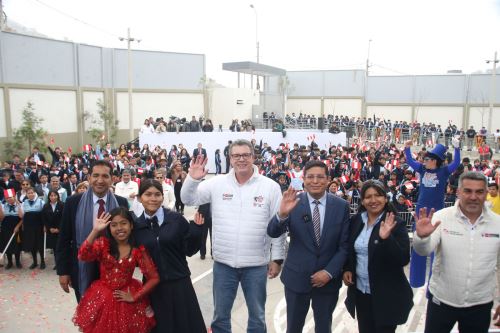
x: 127, y: 188
x: 466, y: 241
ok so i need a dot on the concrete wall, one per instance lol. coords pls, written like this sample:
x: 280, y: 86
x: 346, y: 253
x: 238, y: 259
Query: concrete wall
x: 225, y: 108
x: 389, y: 112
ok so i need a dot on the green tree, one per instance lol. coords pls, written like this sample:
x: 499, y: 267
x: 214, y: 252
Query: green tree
x: 29, y: 135
x: 104, y: 128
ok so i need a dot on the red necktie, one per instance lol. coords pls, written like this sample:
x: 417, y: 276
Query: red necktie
x: 101, y: 209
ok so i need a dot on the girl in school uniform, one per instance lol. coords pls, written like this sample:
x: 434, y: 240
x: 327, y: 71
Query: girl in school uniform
x: 11, y: 215
x: 169, y: 238
x: 33, y: 227
x: 51, y: 217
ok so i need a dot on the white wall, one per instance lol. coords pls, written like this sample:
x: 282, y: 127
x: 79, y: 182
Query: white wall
x: 400, y: 113
x: 478, y: 117
x: 440, y: 115
x: 56, y: 107
x: 305, y: 106
x: 157, y: 105
x: 225, y: 109
x: 90, y: 99
x: 344, y: 107
x: 3, y: 127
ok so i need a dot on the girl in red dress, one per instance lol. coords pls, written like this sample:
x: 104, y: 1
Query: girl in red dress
x: 116, y: 302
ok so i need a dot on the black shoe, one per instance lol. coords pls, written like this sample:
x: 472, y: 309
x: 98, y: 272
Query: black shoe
x: 18, y: 265
x: 9, y: 266
x: 55, y: 267
x: 42, y: 265
x: 202, y: 257
x: 33, y: 265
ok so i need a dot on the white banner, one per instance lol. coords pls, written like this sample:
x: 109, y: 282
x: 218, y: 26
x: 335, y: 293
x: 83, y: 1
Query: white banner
x: 219, y: 140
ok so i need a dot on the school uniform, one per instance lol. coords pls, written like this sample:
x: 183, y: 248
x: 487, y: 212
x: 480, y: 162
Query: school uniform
x: 169, y: 238
x: 51, y: 217
x: 7, y: 225
x: 33, y: 228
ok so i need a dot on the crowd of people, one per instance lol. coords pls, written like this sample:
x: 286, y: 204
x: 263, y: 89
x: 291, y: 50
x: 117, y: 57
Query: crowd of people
x: 110, y: 204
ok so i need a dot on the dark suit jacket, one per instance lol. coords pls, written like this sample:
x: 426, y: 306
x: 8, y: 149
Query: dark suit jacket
x: 66, y: 250
x: 203, y: 151
x: 304, y: 257
x: 392, y: 297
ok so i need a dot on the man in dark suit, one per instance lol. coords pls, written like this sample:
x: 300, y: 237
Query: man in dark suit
x: 67, y: 248
x: 319, y: 231
x: 70, y: 186
x: 199, y: 151
x: 36, y: 155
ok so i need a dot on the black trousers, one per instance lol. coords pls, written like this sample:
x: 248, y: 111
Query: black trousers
x: 366, y: 318
x: 206, y: 229
x: 442, y: 317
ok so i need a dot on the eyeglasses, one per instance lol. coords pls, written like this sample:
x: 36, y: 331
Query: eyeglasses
x: 318, y: 177
x: 245, y: 156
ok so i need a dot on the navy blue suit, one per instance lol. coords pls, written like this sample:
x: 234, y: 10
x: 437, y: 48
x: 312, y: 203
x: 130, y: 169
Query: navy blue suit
x: 305, y: 258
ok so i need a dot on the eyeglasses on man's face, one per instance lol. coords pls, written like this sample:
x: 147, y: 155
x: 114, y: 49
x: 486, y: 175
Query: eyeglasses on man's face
x: 318, y: 177
x: 244, y: 156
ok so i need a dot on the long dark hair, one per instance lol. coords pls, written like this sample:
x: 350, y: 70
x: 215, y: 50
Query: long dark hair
x: 378, y: 186
x: 113, y: 246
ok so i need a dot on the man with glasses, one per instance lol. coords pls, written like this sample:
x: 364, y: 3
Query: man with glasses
x: 55, y: 184
x: 242, y: 203
x: 318, y: 224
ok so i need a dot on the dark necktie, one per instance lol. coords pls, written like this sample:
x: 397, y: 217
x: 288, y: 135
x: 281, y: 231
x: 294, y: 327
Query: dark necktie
x: 153, y: 224
x: 316, y: 222
x: 101, y: 209
x: 31, y: 202
x: 12, y: 208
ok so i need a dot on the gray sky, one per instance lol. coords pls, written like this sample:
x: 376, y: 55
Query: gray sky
x: 408, y: 37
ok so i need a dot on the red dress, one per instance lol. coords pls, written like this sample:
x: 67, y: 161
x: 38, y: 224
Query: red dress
x: 98, y: 310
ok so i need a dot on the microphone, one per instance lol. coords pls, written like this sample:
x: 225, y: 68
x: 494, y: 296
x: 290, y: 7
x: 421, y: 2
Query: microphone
x: 306, y: 218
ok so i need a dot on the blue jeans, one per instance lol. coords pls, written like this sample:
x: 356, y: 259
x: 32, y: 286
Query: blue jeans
x: 225, y: 285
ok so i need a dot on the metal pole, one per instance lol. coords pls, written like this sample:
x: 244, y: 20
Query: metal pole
x: 130, y: 106
x: 492, y: 92
x: 256, y: 41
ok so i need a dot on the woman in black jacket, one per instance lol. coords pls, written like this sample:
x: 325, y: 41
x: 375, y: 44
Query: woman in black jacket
x: 169, y: 238
x: 378, y: 290
x: 51, y: 217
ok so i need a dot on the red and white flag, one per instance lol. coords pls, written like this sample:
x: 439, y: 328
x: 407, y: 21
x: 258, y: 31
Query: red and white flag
x: 169, y: 181
x: 138, y: 181
x: 395, y: 163
x: 140, y: 171
x: 409, y: 185
x: 273, y: 160
x: 487, y: 172
x: 9, y: 193
x: 344, y: 179
x: 356, y: 165
x: 87, y: 147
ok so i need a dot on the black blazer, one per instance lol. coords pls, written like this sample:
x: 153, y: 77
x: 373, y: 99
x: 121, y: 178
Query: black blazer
x: 203, y: 151
x: 392, y: 296
x: 66, y: 250
x: 177, y: 239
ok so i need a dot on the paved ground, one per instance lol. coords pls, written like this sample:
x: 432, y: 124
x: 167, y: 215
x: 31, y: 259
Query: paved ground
x: 32, y: 301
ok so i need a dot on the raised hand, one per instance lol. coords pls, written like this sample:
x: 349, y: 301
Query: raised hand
x: 408, y: 143
x: 199, y: 219
x: 102, y: 222
x: 197, y: 169
x: 288, y: 202
x: 424, y: 227
x: 387, y: 226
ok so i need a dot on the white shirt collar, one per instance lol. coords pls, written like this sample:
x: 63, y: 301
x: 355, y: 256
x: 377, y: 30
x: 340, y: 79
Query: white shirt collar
x: 95, y: 198
x: 321, y: 200
x: 159, y: 215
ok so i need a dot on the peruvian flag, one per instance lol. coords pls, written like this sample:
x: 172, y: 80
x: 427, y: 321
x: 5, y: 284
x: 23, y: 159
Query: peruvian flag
x: 87, y: 147
x: 344, y: 179
x: 9, y: 193
x: 138, y: 181
x: 356, y: 165
x: 487, y: 172
x: 140, y: 171
x: 273, y: 160
x: 408, y: 203
x: 388, y: 165
x: 327, y: 162
x: 290, y: 174
x: 395, y: 163
x: 409, y: 185
x: 349, y: 156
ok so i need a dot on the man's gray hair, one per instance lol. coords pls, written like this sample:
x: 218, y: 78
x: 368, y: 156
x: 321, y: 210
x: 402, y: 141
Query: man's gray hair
x: 472, y: 175
x: 241, y: 142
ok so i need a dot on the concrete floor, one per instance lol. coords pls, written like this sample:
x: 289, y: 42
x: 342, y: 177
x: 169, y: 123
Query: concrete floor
x: 32, y: 301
